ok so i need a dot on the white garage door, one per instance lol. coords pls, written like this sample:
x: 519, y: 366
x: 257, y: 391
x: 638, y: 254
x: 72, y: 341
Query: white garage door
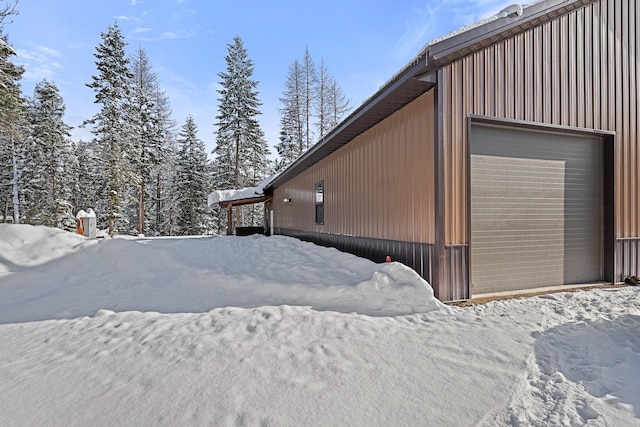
x: 536, y: 209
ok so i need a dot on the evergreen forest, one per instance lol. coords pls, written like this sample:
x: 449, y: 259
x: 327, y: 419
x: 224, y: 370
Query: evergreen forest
x: 141, y: 171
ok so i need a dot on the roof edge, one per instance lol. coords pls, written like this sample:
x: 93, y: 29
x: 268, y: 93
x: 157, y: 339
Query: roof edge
x: 507, y: 22
x: 414, y: 68
x: 433, y: 56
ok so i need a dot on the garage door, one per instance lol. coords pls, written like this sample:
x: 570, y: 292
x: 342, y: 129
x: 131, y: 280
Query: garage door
x: 536, y: 209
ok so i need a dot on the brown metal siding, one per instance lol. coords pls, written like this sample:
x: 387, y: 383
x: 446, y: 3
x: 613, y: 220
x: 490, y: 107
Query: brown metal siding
x: 578, y: 70
x: 380, y: 185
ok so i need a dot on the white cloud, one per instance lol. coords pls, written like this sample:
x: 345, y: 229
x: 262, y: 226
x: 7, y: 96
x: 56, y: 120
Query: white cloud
x: 437, y: 18
x: 127, y: 18
x: 40, y: 62
x: 142, y: 30
x: 168, y: 35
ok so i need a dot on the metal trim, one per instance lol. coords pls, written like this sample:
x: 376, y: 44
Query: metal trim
x: 502, y: 28
x: 537, y: 126
x: 439, y: 190
x: 379, y: 106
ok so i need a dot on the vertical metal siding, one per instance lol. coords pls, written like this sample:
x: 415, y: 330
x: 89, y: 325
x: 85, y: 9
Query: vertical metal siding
x: 585, y: 72
x: 628, y: 258
x: 380, y: 185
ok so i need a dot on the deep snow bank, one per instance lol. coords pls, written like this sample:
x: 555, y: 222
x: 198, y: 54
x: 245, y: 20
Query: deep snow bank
x: 26, y: 245
x: 178, y: 275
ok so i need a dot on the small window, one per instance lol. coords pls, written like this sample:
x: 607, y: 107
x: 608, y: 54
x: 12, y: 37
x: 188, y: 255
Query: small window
x: 320, y: 202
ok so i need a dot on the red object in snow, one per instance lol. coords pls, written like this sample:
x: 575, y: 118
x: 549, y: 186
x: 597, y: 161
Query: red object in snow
x: 388, y: 259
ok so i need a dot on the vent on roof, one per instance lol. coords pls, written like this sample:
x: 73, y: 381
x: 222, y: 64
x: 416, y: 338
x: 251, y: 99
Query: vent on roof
x: 510, y: 11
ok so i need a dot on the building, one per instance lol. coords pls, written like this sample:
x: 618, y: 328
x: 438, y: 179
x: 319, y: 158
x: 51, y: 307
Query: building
x: 503, y: 157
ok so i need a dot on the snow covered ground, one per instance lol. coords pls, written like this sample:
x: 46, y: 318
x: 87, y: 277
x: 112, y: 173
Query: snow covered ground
x: 271, y: 331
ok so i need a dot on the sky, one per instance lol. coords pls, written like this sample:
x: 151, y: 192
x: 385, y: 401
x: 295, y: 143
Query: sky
x: 184, y: 331
x: 362, y: 42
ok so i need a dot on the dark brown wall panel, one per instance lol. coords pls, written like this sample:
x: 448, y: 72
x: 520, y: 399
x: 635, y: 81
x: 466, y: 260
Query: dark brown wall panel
x: 380, y: 185
x: 581, y: 70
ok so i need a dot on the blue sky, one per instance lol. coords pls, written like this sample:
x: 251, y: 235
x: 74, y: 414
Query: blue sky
x: 363, y: 43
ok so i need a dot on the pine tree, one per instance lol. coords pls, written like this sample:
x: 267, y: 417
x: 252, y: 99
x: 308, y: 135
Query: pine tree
x: 292, y: 121
x: 330, y: 104
x: 241, y: 150
x: 49, y: 179
x: 5, y: 12
x: 339, y: 104
x: 162, y: 203
x: 111, y: 133
x: 312, y: 99
x: 147, y: 134
x: 192, y: 181
x: 309, y: 92
x: 85, y: 171
x: 12, y: 128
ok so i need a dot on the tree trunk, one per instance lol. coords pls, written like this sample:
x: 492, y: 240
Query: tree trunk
x: 141, y: 208
x: 16, y: 198
x: 158, y: 204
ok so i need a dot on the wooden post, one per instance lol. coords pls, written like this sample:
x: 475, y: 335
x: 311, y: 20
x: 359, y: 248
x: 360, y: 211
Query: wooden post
x: 229, y: 220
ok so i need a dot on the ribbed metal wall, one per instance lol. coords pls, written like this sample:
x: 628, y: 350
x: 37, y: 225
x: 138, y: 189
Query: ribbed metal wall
x: 580, y: 70
x: 418, y: 256
x: 627, y: 258
x: 380, y: 185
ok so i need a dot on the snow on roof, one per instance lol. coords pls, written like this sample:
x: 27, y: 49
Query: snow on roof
x: 514, y: 8
x: 88, y: 214
x: 509, y: 10
x: 218, y: 196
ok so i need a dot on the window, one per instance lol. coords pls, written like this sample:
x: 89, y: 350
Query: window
x: 320, y: 202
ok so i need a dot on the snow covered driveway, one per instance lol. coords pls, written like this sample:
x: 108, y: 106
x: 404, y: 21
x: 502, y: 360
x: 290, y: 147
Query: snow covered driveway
x: 151, y: 332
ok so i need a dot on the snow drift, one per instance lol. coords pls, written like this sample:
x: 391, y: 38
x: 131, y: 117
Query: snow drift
x: 192, y: 275
x: 134, y: 331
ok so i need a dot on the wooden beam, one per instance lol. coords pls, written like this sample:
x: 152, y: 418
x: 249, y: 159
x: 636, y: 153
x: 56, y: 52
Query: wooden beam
x: 229, y: 220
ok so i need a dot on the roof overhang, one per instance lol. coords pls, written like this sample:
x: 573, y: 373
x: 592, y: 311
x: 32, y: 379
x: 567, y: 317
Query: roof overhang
x: 394, y: 95
x: 226, y: 204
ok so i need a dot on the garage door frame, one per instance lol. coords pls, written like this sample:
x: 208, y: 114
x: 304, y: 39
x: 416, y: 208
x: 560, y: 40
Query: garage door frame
x: 608, y: 139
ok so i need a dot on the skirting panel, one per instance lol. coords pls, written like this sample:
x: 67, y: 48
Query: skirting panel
x: 627, y: 258
x: 415, y: 255
x: 457, y: 268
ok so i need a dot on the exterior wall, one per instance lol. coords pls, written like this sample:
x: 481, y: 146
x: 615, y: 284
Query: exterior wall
x: 379, y: 186
x: 579, y: 70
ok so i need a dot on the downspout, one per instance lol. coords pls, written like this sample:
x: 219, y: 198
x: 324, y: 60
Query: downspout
x: 440, y: 256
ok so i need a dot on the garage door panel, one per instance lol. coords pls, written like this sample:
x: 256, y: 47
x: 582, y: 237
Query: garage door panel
x: 536, y: 203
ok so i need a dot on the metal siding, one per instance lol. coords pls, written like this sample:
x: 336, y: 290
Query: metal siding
x: 416, y: 255
x: 627, y: 258
x: 536, y: 209
x: 586, y: 72
x: 370, y: 183
x: 634, y: 138
x: 580, y: 64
